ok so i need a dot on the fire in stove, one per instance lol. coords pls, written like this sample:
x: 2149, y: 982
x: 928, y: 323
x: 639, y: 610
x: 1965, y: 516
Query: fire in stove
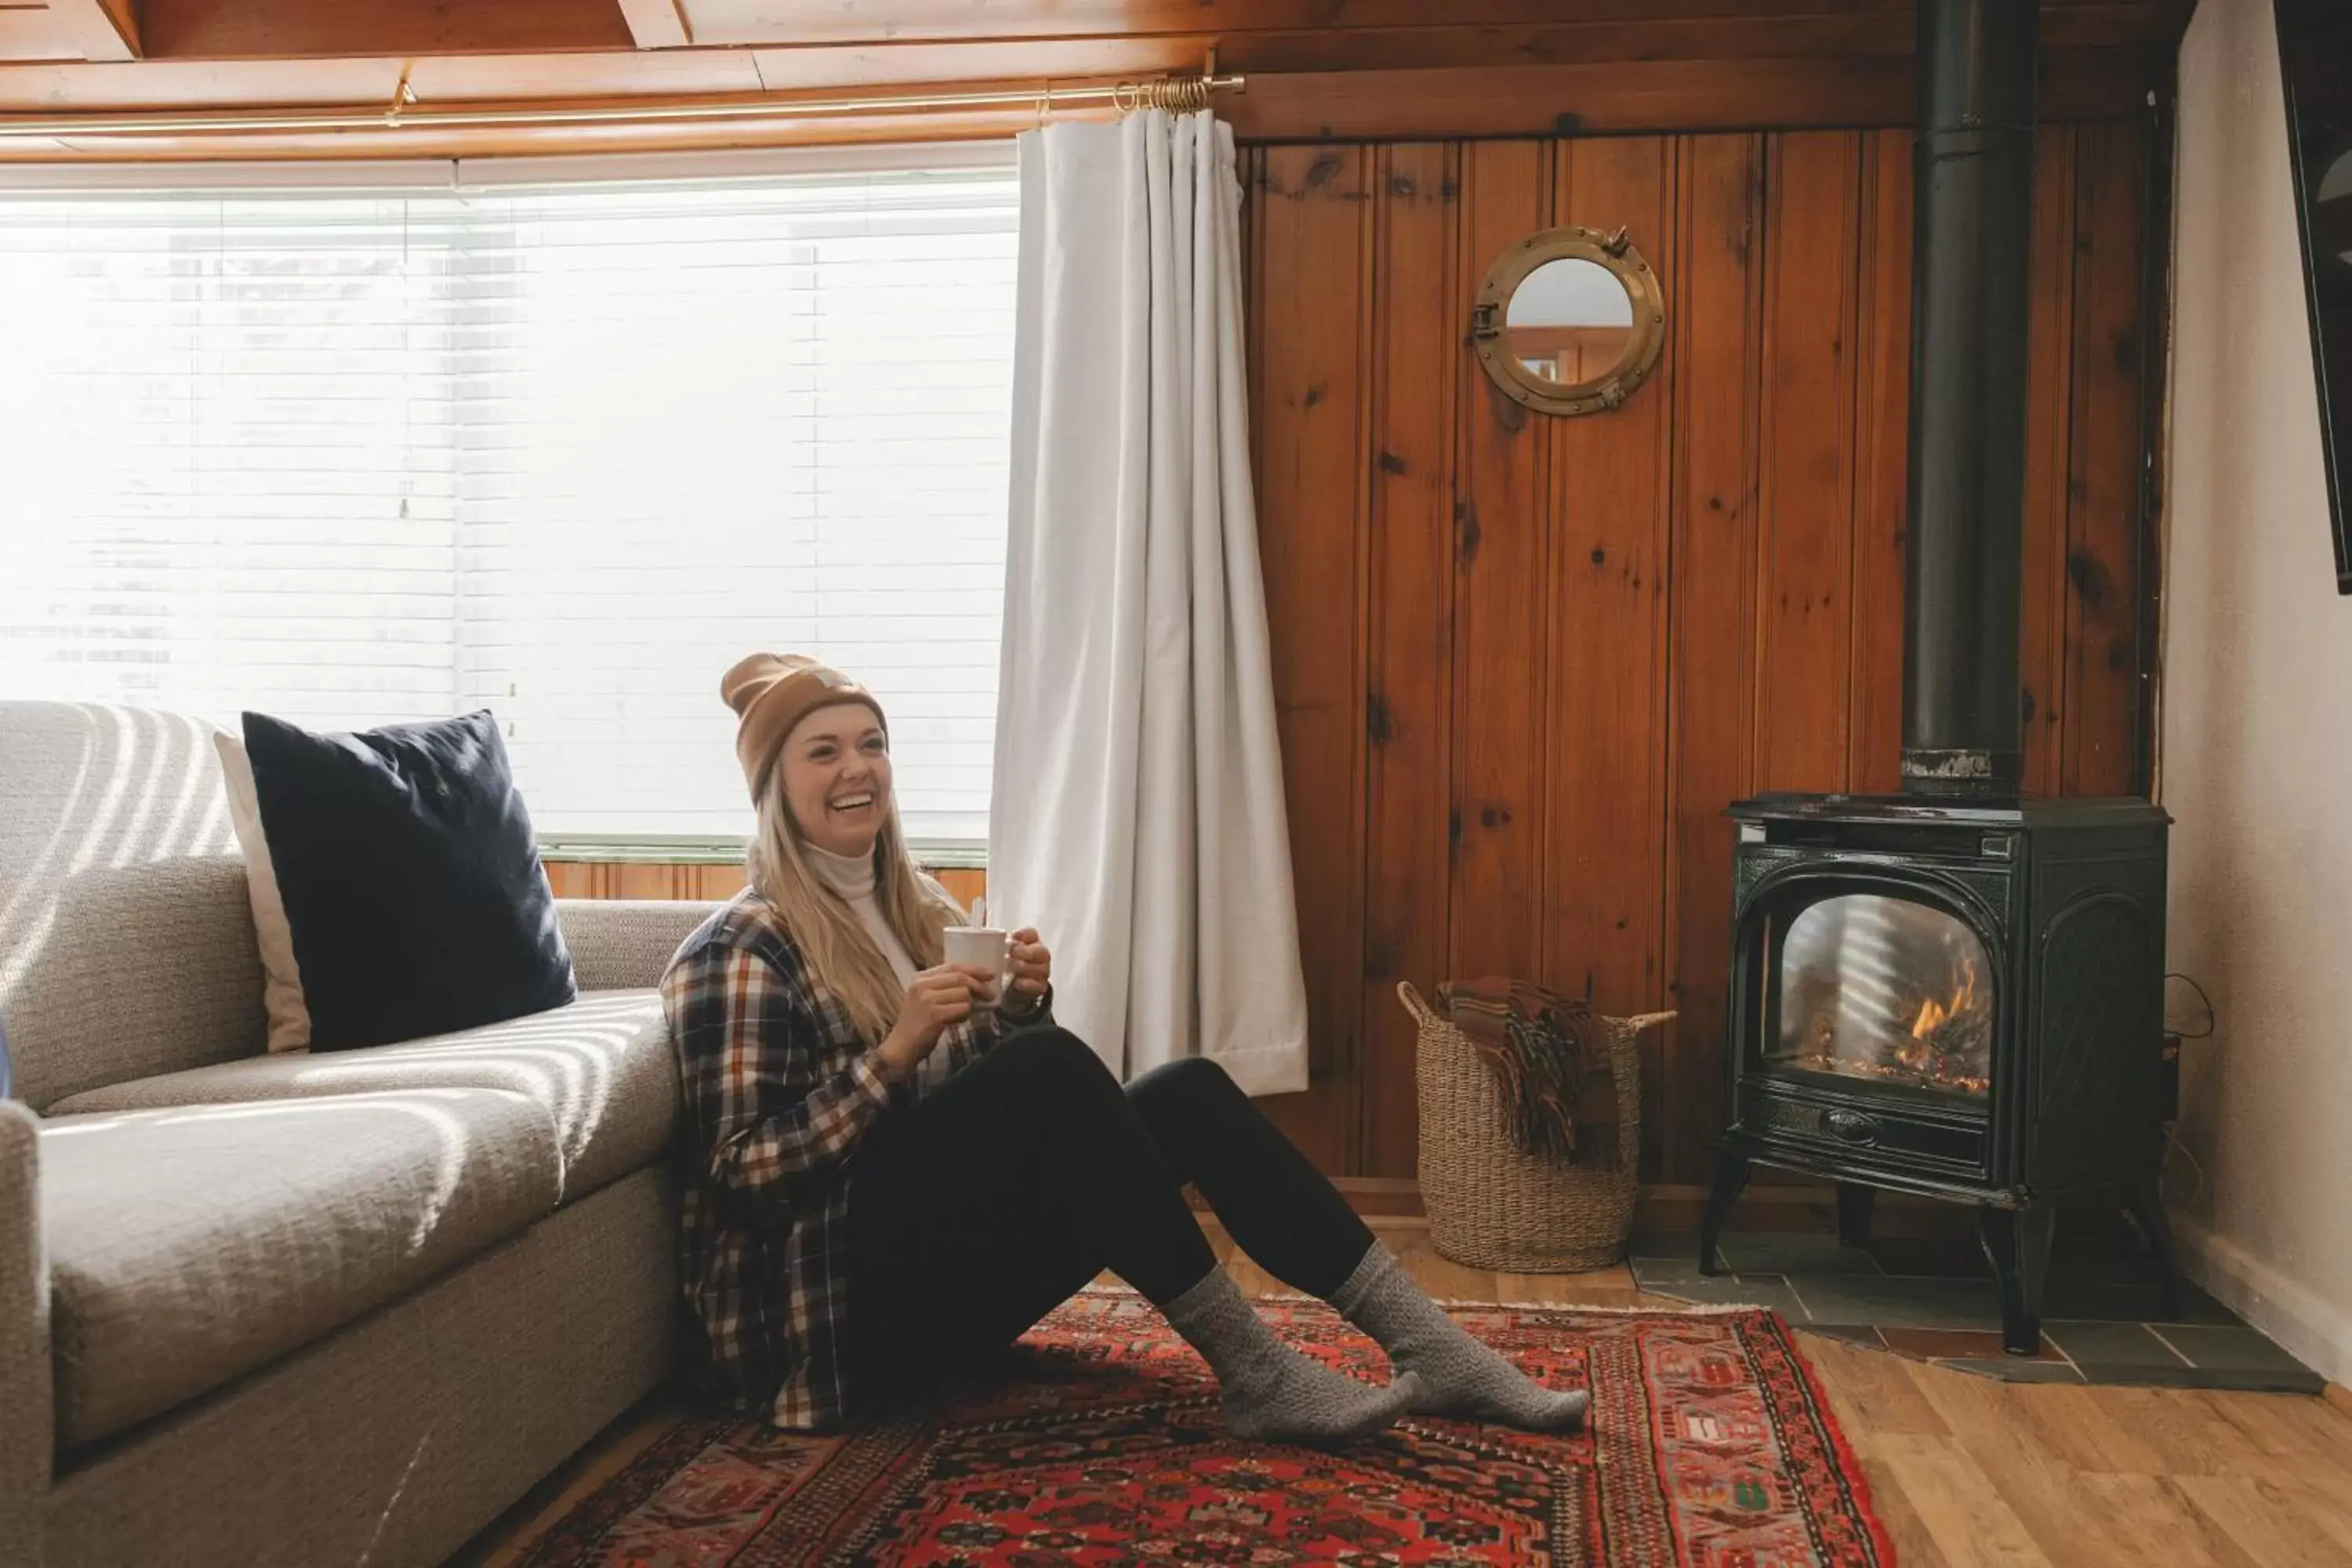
x: 1934, y: 1015
x: 1950, y: 1042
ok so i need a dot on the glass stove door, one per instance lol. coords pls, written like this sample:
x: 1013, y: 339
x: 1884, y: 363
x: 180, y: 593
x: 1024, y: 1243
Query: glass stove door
x: 1886, y: 990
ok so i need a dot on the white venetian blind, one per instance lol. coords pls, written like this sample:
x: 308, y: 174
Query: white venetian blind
x: 565, y: 453
x: 226, y: 457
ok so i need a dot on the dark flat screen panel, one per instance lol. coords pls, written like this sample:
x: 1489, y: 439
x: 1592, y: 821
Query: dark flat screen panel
x: 2316, y: 62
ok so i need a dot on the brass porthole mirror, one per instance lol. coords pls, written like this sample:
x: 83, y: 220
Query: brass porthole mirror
x: 1570, y: 321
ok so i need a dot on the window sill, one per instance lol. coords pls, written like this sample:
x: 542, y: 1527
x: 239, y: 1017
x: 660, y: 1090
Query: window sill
x: 638, y: 850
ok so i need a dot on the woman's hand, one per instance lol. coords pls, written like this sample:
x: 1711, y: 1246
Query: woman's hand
x: 936, y: 1000
x: 1032, y: 970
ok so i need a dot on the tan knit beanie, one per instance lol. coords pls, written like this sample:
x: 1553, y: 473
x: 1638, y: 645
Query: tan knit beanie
x: 771, y: 693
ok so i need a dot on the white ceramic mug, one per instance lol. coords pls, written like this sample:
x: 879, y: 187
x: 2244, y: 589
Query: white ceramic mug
x: 989, y: 947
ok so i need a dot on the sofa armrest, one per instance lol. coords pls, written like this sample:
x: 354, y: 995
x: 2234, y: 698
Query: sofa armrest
x: 619, y: 944
x: 27, y: 1409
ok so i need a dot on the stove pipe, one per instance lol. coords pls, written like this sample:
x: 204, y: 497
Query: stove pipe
x: 1972, y: 220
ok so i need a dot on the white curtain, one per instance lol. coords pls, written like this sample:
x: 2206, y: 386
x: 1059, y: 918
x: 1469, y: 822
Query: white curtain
x: 1137, y: 817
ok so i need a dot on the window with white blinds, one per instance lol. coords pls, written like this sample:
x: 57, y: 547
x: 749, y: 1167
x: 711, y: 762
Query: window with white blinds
x: 565, y: 453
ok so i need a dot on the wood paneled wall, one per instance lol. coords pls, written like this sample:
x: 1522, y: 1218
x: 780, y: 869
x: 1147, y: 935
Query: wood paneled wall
x: 1523, y: 664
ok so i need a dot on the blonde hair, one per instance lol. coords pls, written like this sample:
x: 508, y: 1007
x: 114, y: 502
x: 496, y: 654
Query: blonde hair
x: 842, y: 957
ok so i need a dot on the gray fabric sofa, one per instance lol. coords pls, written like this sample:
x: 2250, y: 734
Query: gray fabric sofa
x: 299, y: 1310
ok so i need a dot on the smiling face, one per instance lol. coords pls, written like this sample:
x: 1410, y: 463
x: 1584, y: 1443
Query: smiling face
x: 837, y: 777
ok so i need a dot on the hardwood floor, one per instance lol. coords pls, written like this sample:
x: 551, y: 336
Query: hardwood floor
x: 1966, y: 1472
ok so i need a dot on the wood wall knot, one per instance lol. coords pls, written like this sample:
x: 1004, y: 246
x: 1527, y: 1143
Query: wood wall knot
x: 2094, y: 583
x: 1511, y: 416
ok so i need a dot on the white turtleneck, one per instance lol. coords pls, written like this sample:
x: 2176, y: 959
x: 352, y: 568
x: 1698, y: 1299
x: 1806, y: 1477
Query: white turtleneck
x: 852, y: 877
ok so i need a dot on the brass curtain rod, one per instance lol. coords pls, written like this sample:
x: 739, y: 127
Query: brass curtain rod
x: 1181, y: 94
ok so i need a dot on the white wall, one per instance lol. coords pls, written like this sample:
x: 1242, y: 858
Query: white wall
x: 2257, y: 720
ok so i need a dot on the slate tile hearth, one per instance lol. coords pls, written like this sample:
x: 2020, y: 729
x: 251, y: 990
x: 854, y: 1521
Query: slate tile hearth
x: 2229, y: 1348
x: 1933, y: 1298
x: 2114, y: 1345
x: 1957, y: 1344
x: 2020, y: 1371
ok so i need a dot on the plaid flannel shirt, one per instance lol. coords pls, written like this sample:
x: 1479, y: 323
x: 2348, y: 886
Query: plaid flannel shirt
x: 779, y: 1089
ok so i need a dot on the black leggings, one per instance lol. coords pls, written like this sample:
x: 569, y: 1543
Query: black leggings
x: 988, y: 1203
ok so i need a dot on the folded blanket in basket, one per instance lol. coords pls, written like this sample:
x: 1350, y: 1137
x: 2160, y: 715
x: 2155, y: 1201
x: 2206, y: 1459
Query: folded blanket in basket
x: 1550, y: 1056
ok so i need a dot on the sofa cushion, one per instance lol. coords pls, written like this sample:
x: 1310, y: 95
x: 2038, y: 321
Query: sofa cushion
x: 410, y: 877
x: 126, y: 943
x: 619, y: 944
x: 188, y: 1247
x: 602, y: 1066
x: 281, y: 977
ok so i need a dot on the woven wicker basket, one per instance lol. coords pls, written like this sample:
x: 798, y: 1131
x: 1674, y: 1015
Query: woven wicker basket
x: 1494, y: 1206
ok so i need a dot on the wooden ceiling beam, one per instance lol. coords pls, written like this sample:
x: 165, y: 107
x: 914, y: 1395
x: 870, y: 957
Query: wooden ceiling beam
x: 656, y: 23
x: 1493, y: 68
x: 1877, y: 35
x: 164, y: 83
x: 1524, y: 100
x: 99, y: 29
x: 50, y: 87
x: 1641, y: 96
x: 940, y: 21
x: 1251, y: 35
x: 295, y: 29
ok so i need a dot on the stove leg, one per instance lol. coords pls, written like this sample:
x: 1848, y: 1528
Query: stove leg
x: 1997, y: 1233
x: 1730, y: 1175
x: 1853, y: 1201
x: 2018, y: 1242
x: 2147, y: 1210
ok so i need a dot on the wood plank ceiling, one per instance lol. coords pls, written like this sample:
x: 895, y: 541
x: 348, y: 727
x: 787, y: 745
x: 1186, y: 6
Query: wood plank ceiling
x: 1319, y: 68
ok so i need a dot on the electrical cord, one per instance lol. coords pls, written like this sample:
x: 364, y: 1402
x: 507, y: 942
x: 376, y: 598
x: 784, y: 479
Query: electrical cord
x: 2207, y: 1032
x: 2173, y: 1145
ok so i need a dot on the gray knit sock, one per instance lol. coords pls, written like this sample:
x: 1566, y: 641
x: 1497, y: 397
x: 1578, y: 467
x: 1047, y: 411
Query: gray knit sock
x: 1459, y: 1376
x: 1272, y: 1393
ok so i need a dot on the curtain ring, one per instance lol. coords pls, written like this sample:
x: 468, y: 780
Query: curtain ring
x: 1044, y: 102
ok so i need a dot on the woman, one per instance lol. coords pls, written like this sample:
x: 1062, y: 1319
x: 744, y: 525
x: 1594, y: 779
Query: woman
x: 894, y: 1174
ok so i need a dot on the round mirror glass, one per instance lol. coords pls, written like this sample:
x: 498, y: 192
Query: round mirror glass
x: 1569, y: 321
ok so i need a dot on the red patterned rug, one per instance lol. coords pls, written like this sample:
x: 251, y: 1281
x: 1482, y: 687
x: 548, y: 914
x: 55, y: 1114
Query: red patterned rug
x: 1098, y: 1444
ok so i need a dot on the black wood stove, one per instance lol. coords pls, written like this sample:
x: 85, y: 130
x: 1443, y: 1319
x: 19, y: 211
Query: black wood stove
x: 1957, y: 992
x: 1956, y: 998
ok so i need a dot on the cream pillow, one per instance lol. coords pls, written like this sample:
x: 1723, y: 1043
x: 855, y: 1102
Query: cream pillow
x: 281, y: 983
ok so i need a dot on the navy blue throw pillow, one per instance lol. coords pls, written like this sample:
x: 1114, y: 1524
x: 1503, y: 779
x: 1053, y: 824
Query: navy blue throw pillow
x: 411, y: 879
